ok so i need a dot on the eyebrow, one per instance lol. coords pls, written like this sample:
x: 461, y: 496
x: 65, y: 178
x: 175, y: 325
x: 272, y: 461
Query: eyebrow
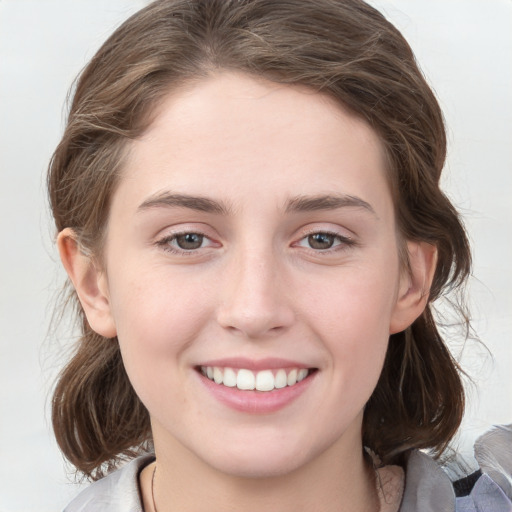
x: 171, y: 200
x: 327, y: 202
x: 296, y: 204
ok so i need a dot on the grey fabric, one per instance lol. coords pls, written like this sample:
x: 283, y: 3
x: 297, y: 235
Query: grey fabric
x: 427, y: 487
x: 493, y: 451
x: 117, y: 492
x: 486, y: 496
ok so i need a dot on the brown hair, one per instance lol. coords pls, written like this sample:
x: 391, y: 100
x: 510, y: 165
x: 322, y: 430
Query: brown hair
x: 343, y: 48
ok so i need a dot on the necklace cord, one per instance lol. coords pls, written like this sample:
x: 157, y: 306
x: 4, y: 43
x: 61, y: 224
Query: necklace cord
x: 153, y: 489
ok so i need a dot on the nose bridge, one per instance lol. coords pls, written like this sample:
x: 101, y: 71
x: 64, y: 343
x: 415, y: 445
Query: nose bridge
x: 256, y: 302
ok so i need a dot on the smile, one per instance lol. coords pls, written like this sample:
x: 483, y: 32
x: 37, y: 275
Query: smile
x: 247, y: 380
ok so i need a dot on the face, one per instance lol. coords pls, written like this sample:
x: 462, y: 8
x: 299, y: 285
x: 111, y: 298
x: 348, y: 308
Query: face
x: 251, y: 242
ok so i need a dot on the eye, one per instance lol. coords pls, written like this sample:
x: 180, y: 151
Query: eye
x: 323, y: 241
x: 189, y: 241
x: 185, y: 242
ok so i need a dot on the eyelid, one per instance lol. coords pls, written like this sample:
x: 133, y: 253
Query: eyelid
x: 345, y: 240
x: 328, y: 228
x: 341, y: 238
x: 164, y: 241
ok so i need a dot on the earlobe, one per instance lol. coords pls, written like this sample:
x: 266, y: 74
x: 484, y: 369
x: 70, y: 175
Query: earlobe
x: 415, y: 285
x: 90, y: 284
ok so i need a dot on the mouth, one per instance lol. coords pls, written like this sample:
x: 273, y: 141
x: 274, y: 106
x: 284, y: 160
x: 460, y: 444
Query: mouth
x: 256, y: 387
x: 247, y: 380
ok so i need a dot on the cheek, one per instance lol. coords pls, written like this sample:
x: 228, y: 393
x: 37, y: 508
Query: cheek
x: 157, y: 310
x: 353, y: 315
x: 155, y: 323
x: 353, y: 302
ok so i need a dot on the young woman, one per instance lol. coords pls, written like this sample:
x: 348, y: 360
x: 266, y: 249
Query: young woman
x: 248, y: 206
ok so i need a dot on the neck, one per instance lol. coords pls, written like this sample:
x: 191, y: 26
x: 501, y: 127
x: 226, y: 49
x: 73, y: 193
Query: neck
x: 338, y: 480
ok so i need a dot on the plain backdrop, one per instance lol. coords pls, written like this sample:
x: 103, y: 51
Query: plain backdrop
x: 465, y: 50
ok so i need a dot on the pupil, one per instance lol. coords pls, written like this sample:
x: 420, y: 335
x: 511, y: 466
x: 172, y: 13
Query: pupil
x: 321, y: 241
x: 189, y: 241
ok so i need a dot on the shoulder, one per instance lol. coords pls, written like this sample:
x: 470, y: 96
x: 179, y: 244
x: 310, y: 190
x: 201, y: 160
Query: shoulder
x: 429, y: 489
x: 117, y: 492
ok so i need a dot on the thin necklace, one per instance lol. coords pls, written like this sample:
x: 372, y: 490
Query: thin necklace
x: 153, y: 489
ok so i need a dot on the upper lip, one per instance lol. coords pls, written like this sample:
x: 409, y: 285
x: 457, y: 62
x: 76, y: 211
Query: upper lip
x: 269, y: 363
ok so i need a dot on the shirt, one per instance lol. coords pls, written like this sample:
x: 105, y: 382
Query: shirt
x: 427, y: 486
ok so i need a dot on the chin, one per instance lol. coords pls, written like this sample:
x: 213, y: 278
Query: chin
x: 266, y: 467
x: 268, y: 460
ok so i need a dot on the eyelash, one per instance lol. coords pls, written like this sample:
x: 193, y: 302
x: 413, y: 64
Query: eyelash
x: 344, y: 242
x: 165, y: 243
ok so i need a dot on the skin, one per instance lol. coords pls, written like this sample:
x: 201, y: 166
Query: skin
x: 255, y: 288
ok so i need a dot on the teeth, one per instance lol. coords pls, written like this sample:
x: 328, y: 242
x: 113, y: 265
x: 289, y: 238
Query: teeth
x: 265, y: 380
x: 245, y: 380
x: 281, y: 379
x: 218, y: 377
x: 292, y: 378
x: 230, y: 378
x: 303, y: 373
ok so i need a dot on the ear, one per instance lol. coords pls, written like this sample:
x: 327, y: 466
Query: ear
x: 415, y: 282
x: 90, y: 283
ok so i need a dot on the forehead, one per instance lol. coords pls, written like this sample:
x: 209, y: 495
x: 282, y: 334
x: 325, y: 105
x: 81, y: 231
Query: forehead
x: 233, y: 130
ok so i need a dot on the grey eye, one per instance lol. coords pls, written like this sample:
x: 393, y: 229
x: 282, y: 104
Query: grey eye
x: 189, y: 241
x: 321, y: 240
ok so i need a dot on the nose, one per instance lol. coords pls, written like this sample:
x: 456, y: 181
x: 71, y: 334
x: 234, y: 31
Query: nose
x: 256, y: 299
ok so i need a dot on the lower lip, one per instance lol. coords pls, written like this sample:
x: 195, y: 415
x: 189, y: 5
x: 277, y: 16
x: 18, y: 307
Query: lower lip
x: 257, y: 402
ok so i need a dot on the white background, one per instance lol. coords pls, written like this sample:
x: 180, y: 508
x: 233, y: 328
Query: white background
x: 465, y: 49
